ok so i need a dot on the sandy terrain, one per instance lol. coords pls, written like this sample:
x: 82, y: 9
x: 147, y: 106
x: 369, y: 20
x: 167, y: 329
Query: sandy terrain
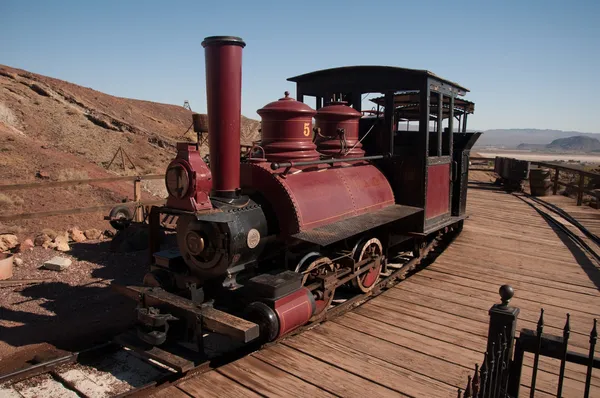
x: 536, y: 156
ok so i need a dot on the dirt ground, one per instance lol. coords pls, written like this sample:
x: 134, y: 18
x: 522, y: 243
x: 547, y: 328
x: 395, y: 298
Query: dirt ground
x: 73, y: 309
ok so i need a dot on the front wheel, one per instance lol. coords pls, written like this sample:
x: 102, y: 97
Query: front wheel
x: 120, y: 217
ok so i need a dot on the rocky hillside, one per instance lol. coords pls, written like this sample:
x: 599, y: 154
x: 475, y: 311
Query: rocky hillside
x: 57, y: 130
x: 576, y: 143
x: 512, y: 138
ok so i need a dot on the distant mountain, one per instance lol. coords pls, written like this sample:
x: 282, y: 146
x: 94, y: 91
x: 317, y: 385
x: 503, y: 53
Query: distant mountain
x: 531, y: 147
x: 576, y: 143
x: 512, y: 138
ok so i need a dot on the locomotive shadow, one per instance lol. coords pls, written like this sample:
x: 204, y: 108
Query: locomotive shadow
x: 77, y: 316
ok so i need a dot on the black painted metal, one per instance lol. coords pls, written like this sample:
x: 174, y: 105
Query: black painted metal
x: 563, y: 361
x: 500, y: 373
x: 536, y: 361
x: 463, y: 142
x: 588, y: 377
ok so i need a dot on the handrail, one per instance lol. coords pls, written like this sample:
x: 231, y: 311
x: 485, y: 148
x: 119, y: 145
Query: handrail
x: 580, y: 186
x: 51, y: 184
x: 137, y: 194
x: 79, y: 210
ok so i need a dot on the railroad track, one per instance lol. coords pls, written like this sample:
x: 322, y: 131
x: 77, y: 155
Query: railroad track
x: 114, y: 369
x: 573, y: 229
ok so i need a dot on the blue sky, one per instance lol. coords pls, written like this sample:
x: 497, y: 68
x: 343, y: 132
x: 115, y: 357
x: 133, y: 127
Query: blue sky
x: 528, y: 64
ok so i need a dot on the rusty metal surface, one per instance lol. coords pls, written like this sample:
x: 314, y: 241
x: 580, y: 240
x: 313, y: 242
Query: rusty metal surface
x: 348, y: 227
x: 224, y: 103
x: 200, y: 122
x: 286, y: 131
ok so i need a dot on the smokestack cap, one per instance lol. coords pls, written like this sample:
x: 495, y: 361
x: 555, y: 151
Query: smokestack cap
x: 223, y: 40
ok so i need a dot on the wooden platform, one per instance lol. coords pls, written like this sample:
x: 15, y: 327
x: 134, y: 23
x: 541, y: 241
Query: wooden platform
x: 423, y: 337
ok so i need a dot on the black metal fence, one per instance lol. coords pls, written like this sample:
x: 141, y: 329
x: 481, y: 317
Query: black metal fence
x: 499, y: 376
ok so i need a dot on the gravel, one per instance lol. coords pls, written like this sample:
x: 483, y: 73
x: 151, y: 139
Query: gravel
x: 75, y: 306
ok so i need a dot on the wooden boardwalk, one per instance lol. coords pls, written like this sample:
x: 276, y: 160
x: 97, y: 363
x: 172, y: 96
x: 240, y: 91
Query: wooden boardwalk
x: 424, y: 336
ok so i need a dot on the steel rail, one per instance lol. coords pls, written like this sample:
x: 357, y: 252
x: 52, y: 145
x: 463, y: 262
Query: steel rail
x: 567, y: 217
x: 570, y: 234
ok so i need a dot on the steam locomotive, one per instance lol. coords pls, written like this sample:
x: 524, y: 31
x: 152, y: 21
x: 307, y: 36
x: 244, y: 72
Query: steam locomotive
x: 267, y: 239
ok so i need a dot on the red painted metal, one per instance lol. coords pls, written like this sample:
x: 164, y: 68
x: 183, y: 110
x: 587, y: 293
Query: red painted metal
x: 315, y: 197
x: 370, y: 277
x: 189, y: 170
x: 224, y: 99
x: 438, y: 190
x: 286, y: 127
x: 294, y: 310
x: 337, y: 127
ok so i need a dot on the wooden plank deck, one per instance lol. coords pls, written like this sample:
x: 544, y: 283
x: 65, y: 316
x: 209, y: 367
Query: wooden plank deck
x: 424, y: 336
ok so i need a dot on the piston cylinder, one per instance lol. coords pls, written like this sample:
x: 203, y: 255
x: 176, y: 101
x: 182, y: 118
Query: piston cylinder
x: 337, y: 131
x: 287, y: 134
x: 224, y: 101
x: 278, y: 317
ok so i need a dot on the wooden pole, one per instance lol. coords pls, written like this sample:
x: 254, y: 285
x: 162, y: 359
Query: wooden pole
x: 137, y: 197
x: 555, y: 187
x: 112, y: 160
x: 580, y: 189
x: 122, y: 158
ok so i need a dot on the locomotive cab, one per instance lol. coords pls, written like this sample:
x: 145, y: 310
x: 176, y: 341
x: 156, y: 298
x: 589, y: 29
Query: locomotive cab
x: 413, y: 124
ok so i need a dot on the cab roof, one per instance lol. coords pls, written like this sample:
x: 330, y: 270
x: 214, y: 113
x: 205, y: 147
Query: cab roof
x: 367, y: 78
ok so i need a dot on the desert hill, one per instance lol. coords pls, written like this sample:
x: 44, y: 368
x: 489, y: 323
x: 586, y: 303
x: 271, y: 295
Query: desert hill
x: 71, y: 132
x: 576, y: 143
x: 533, y: 138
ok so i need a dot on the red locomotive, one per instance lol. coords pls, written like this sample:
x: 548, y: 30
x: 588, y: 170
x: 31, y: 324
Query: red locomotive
x: 265, y: 241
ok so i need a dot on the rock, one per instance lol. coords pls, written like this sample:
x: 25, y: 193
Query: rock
x: 50, y: 232
x: 57, y: 264
x: 8, y: 242
x: 6, y: 266
x: 18, y: 262
x: 76, y: 235
x: 44, y: 175
x: 93, y: 233
x: 27, y: 244
x: 49, y: 245
x: 42, y: 240
x: 62, y: 242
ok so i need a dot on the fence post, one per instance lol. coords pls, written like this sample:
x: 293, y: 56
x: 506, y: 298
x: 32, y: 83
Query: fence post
x: 555, y: 187
x: 154, y: 232
x: 503, y: 321
x: 137, y: 197
x: 580, y: 189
